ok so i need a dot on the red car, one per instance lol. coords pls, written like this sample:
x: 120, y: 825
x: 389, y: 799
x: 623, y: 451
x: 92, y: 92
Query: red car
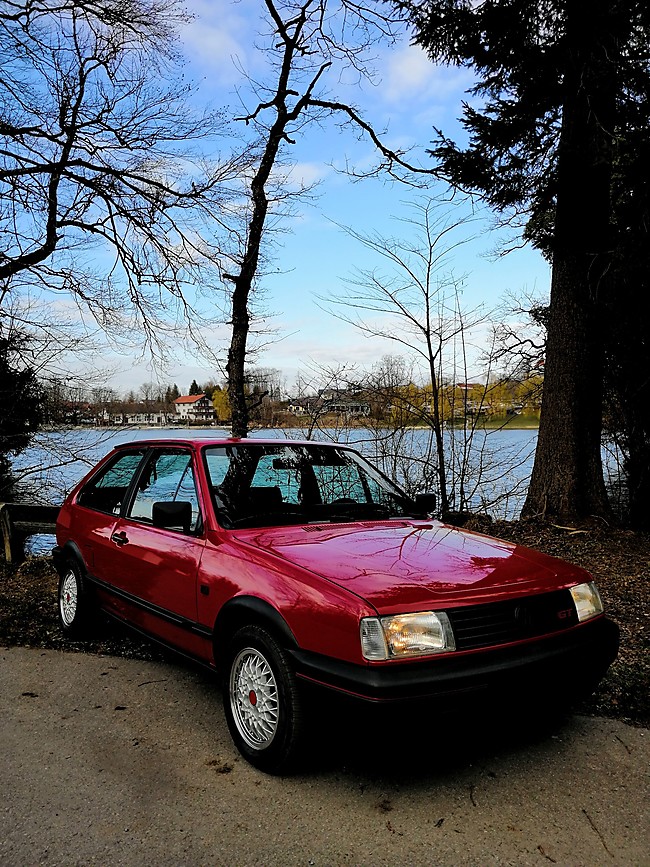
x: 283, y: 563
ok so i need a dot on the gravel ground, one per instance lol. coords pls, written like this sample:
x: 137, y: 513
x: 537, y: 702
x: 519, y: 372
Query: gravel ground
x: 619, y: 560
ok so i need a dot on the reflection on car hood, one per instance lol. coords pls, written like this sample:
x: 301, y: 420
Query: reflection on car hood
x: 415, y: 565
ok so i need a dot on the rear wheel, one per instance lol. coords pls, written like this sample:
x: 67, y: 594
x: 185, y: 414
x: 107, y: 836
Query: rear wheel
x: 261, y: 701
x: 77, y: 606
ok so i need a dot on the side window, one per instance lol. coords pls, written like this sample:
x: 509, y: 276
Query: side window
x: 106, y: 491
x: 167, y: 477
x: 380, y: 495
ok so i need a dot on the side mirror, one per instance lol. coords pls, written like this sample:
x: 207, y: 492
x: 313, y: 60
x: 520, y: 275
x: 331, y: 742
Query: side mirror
x: 426, y: 502
x: 176, y: 515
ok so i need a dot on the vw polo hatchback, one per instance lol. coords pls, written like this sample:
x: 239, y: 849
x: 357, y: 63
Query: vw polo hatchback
x: 285, y: 565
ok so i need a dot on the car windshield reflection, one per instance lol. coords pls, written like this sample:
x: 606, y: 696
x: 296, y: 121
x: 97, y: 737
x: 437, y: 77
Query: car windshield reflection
x: 268, y: 485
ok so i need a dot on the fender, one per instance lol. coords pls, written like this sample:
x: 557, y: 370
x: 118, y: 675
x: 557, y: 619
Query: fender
x: 243, y: 610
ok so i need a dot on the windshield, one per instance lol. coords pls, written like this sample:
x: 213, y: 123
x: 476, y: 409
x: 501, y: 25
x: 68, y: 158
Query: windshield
x: 266, y: 485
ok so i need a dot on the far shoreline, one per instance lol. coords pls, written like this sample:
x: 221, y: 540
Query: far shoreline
x: 495, y: 424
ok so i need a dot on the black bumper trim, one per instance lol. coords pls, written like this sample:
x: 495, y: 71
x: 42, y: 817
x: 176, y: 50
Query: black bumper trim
x: 582, y: 654
x: 152, y: 608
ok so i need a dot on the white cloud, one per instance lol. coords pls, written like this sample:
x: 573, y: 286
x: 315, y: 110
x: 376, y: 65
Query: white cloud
x: 409, y: 71
x: 218, y: 41
x: 411, y: 76
x: 305, y: 174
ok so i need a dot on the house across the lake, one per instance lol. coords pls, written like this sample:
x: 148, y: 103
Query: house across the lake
x: 194, y: 409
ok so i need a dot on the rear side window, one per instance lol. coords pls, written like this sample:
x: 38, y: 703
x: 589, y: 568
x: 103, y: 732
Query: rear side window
x: 106, y: 491
x: 167, y: 477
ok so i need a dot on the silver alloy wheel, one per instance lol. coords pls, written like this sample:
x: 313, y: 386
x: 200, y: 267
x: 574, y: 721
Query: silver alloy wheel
x: 68, y: 598
x: 254, y: 698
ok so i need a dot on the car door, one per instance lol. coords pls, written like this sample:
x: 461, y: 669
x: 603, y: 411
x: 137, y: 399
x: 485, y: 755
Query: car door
x: 153, y: 570
x: 97, y: 508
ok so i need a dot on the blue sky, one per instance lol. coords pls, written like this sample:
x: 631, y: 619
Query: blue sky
x: 315, y: 256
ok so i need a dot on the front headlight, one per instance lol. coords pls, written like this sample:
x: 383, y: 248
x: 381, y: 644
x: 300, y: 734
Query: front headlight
x: 406, y: 635
x: 586, y: 599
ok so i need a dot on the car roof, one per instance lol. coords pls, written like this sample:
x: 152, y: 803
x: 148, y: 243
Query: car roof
x: 202, y: 442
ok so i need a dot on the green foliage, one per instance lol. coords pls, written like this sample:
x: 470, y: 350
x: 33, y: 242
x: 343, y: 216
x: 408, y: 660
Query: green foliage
x: 194, y: 388
x: 21, y: 401
x: 520, y: 52
x: 171, y: 393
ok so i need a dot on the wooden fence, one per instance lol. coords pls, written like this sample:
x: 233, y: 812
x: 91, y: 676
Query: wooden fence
x: 20, y: 520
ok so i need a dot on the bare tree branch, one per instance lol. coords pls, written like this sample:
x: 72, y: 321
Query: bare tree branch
x: 102, y: 160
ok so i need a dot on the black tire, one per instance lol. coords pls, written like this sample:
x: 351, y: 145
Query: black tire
x: 77, y: 607
x: 261, y: 701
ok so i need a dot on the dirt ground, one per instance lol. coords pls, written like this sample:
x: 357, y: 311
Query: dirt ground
x: 619, y: 560
x: 110, y: 761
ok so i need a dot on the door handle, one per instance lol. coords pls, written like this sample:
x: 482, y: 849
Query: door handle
x: 120, y: 538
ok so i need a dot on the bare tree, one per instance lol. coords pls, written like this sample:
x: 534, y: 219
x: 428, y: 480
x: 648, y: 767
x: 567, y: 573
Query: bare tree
x: 308, y: 42
x: 315, y: 381
x: 415, y: 302
x: 149, y: 393
x: 519, y: 337
x: 106, y: 190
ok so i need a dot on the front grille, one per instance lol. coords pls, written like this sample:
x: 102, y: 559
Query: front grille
x: 514, y: 620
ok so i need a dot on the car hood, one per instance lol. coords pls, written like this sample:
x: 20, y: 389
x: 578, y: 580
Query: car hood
x: 415, y: 565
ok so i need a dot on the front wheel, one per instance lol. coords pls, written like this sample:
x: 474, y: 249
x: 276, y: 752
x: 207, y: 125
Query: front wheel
x: 261, y: 701
x: 77, y: 608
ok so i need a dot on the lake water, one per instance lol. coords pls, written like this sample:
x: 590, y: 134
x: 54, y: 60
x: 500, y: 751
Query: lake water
x: 490, y: 473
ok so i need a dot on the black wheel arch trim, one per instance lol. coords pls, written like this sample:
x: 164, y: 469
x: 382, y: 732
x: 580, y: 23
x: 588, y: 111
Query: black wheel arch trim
x: 245, y: 611
x: 63, y: 555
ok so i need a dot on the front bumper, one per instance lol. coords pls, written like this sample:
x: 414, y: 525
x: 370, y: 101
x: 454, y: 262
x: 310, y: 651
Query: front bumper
x: 570, y: 663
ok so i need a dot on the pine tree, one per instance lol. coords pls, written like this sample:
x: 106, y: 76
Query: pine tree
x: 564, y: 93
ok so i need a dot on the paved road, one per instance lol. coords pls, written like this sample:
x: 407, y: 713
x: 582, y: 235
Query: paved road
x: 120, y: 762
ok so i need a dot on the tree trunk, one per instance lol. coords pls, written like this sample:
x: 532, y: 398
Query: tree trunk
x: 237, y: 360
x: 437, y: 425
x: 244, y: 281
x: 290, y: 35
x: 628, y: 381
x: 637, y: 467
x: 567, y: 480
